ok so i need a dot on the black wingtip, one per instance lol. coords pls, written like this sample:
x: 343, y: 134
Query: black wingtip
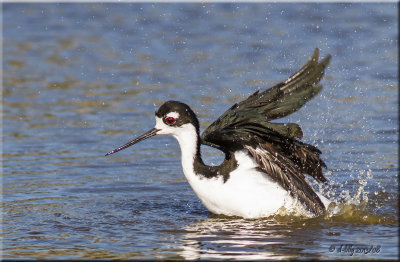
x: 315, y: 55
x: 326, y: 60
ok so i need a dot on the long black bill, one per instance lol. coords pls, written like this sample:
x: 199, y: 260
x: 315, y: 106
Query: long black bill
x: 146, y: 135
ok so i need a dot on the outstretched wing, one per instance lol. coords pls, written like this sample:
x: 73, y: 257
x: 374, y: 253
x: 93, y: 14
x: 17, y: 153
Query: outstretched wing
x: 276, y: 102
x: 273, y: 145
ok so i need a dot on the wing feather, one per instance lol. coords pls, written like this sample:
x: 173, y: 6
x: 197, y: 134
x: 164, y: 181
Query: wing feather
x: 276, y: 102
x: 285, y: 173
x: 275, y: 146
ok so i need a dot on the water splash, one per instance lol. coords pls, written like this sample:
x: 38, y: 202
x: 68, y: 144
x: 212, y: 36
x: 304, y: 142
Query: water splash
x: 360, y: 197
x: 356, y: 205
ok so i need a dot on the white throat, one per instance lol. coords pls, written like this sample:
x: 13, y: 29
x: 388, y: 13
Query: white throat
x: 187, y: 139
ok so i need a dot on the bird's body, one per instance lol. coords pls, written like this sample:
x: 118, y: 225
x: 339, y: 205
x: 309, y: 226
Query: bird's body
x: 242, y: 194
x: 247, y: 193
x: 264, y: 164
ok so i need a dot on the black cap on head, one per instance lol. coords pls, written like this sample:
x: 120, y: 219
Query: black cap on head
x: 186, y: 114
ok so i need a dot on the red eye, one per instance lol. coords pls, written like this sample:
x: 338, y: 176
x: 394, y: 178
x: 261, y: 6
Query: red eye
x: 170, y: 120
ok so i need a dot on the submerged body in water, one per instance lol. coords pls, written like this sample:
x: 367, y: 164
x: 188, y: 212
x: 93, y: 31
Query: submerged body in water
x: 265, y: 162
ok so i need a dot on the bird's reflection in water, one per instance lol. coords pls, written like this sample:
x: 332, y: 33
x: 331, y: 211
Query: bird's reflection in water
x: 226, y: 238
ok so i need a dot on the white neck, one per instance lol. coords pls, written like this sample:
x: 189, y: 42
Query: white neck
x: 187, y: 139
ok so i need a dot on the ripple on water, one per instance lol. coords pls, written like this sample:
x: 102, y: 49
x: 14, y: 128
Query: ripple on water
x: 81, y: 79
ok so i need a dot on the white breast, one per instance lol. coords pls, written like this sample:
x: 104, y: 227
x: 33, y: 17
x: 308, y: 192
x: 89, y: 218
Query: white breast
x: 247, y: 193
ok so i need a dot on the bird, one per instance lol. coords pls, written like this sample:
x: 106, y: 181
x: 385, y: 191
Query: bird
x: 265, y: 163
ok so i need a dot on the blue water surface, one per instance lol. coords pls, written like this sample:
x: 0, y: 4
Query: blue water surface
x: 80, y: 79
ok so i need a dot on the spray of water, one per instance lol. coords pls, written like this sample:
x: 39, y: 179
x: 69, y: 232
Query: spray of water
x: 349, y: 203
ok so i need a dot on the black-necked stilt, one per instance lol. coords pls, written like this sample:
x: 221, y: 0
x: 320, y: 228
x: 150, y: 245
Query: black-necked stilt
x: 265, y: 162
